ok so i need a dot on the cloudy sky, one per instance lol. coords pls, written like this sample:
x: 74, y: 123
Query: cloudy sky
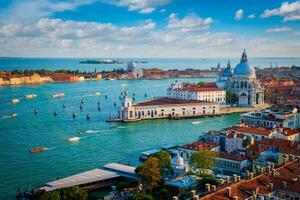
x: 149, y: 28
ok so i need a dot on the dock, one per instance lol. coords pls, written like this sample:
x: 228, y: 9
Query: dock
x: 109, y: 175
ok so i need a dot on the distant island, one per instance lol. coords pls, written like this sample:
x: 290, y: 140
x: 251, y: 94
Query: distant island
x: 107, y: 61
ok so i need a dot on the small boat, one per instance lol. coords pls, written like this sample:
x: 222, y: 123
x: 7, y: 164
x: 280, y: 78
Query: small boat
x: 97, y: 93
x: 13, y: 114
x: 197, y: 122
x: 115, y: 104
x: 124, y: 85
x: 35, y: 111
x: 37, y: 150
x: 81, y: 107
x: 64, y: 105
x: 74, y: 115
x: 55, y: 113
x: 15, y: 101
x: 87, y: 116
x: 112, y: 79
x: 58, y: 95
x: 113, y: 127
x: 74, y: 139
x: 99, y: 108
x: 30, y: 96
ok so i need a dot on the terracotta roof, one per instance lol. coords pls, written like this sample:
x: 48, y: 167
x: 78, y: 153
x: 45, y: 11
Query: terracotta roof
x: 199, y: 89
x: 163, y: 101
x: 245, y: 188
x: 230, y: 156
x: 289, y: 131
x: 279, y: 142
x: 251, y: 130
x: 238, y: 135
x: 198, y: 146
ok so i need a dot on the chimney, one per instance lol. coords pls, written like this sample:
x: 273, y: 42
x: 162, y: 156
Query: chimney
x: 247, y: 174
x: 251, y: 175
x: 268, y: 169
x: 271, y: 185
x: 234, y: 177
x: 273, y: 172
x: 228, y: 191
x: 272, y: 165
x: 285, y: 160
x: 227, y: 179
x: 238, y: 178
x: 174, y: 198
x: 214, y: 188
x: 284, y: 184
x: 222, y: 181
x: 207, y: 187
x: 261, y: 170
x: 193, y: 194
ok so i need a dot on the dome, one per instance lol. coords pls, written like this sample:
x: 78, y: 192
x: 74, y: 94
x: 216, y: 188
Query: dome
x: 244, y: 68
x: 228, y: 71
x: 177, y: 160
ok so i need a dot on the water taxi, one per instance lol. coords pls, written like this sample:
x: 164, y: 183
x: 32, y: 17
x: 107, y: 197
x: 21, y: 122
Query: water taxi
x: 15, y: 101
x: 74, y: 139
x: 30, y: 96
x: 37, y: 150
x: 58, y: 95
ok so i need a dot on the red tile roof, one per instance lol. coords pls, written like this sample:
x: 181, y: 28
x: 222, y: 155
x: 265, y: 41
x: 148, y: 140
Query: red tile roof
x: 198, y: 146
x: 230, y: 156
x: 199, y: 89
x: 250, y: 130
x: 261, y: 184
x: 163, y: 101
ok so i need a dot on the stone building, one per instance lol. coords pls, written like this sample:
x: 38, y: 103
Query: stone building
x: 243, y: 83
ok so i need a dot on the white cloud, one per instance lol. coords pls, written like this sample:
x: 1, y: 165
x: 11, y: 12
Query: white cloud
x: 32, y: 10
x: 239, y: 14
x: 141, y: 6
x: 289, y: 11
x: 191, y: 22
x: 251, y: 16
x: 276, y: 30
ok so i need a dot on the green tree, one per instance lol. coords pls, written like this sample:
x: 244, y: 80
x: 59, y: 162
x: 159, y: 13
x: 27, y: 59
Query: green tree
x: 138, y: 195
x: 201, y: 83
x: 43, y: 195
x: 202, y: 161
x: 75, y: 193
x: 231, y: 98
x: 149, y: 173
x: 163, y: 194
x: 164, y: 160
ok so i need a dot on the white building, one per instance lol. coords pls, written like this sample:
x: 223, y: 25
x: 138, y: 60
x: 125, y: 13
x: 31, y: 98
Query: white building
x: 135, y: 71
x: 242, y: 81
x: 165, y: 108
x: 273, y: 118
x: 186, y: 91
x: 178, y: 165
x: 230, y: 164
x: 234, y: 141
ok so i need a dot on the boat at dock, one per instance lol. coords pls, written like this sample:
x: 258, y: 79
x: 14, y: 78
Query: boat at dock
x: 37, y: 150
x: 15, y: 101
x: 30, y: 96
x: 58, y: 95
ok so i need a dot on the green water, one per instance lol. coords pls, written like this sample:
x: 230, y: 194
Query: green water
x: 99, y: 145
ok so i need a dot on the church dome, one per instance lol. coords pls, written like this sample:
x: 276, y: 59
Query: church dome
x: 244, y: 68
x: 228, y: 72
x: 177, y: 160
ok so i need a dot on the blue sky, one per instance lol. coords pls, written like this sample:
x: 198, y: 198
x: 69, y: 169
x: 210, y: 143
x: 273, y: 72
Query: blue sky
x: 149, y: 28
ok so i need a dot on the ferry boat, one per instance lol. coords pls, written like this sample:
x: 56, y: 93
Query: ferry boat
x: 37, y: 150
x: 30, y: 96
x: 15, y: 101
x: 58, y: 95
x: 145, y: 155
x: 74, y: 139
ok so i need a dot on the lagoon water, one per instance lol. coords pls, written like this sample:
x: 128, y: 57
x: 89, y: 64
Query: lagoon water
x: 98, y: 145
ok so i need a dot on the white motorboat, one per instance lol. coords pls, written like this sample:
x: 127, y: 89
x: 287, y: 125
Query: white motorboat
x: 58, y: 95
x: 30, y: 96
x: 15, y: 101
x: 74, y: 139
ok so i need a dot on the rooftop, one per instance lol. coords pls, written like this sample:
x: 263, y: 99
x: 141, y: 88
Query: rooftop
x: 198, y: 146
x: 231, y: 157
x: 261, y: 183
x: 251, y: 130
x: 164, y: 101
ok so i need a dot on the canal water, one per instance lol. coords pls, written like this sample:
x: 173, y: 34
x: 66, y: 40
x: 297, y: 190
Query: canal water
x: 99, y: 144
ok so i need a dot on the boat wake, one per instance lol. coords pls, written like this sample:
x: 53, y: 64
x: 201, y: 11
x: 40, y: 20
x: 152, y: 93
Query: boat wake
x: 197, y: 122
x: 8, y: 116
x: 50, y: 148
x: 94, y: 131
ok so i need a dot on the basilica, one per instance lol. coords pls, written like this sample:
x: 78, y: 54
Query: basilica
x: 243, y: 83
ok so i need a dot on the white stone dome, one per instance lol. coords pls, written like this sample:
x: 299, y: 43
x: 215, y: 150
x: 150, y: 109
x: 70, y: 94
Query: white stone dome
x: 177, y: 160
x: 244, y: 69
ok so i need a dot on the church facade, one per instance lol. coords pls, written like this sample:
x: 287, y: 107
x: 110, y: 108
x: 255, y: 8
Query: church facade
x: 243, y: 83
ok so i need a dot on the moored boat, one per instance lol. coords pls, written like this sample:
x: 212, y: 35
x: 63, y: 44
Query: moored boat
x: 15, y: 101
x: 58, y: 95
x: 30, y: 96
